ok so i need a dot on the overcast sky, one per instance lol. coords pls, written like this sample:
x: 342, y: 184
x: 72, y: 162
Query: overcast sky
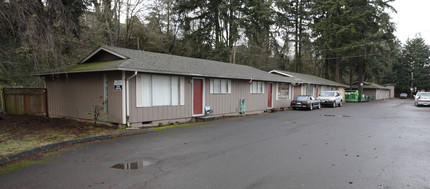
x: 413, y: 16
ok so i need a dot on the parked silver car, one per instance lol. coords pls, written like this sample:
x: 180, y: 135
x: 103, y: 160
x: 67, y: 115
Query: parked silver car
x: 331, y: 98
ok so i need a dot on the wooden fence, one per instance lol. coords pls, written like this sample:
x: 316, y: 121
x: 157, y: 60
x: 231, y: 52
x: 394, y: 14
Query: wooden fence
x: 25, y: 101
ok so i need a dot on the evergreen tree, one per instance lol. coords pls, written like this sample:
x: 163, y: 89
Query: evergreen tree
x: 416, y: 57
x: 346, y: 32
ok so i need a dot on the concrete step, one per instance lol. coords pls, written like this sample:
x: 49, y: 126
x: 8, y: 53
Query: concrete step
x: 205, y: 118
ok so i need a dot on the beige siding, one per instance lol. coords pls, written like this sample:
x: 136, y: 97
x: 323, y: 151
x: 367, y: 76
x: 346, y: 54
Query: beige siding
x: 159, y: 113
x: 382, y: 94
x: 77, y: 94
x: 281, y: 103
x: 342, y: 92
x: 377, y: 94
x: 230, y: 103
x: 297, y: 91
x: 221, y: 104
x: 391, y: 90
x: 370, y: 92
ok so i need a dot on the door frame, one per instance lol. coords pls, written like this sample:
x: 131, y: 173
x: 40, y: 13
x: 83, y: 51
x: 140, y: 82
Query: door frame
x: 271, y: 95
x: 203, y: 96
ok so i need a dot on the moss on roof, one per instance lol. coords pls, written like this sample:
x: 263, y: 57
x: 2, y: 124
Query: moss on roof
x: 87, y: 67
x: 95, y: 65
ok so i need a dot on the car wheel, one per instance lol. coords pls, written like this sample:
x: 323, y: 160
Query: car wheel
x: 294, y: 108
x: 311, y: 107
x: 340, y: 104
x: 334, y: 104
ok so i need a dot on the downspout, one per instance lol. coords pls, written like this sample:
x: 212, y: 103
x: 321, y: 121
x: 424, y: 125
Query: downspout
x: 127, y: 105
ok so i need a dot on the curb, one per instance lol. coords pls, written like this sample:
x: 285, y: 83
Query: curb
x: 23, y: 154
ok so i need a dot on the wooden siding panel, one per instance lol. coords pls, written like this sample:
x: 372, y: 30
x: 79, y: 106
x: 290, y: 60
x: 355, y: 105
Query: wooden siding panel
x: 370, y: 92
x: 297, y: 91
x: 281, y: 103
x: 159, y: 113
x: 114, y: 97
x: 342, y: 92
x: 230, y: 102
x: 220, y: 103
x: 77, y: 94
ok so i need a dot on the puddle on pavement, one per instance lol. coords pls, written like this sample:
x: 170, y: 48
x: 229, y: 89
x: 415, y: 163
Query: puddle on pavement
x: 335, y: 115
x: 329, y: 115
x: 133, y: 165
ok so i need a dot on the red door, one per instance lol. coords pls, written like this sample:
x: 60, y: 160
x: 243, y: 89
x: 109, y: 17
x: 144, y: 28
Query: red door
x: 269, y: 93
x: 197, y: 96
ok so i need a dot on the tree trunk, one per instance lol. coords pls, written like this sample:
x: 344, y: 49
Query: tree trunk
x: 350, y: 75
x: 337, y: 78
x: 117, y: 19
x: 296, y: 43
x: 168, y: 18
x: 326, y: 69
x: 360, y: 75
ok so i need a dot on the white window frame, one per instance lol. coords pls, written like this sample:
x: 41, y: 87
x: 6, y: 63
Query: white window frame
x: 304, y: 89
x: 260, y: 87
x: 140, y: 83
x: 212, y: 86
x: 291, y: 92
x: 278, y: 85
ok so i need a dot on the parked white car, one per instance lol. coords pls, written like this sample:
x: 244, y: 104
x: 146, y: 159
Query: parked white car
x: 418, y: 96
x: 331, y: 98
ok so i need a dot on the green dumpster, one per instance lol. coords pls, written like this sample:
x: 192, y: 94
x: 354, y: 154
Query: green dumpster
x: 363, y: 98
x: 351, y: 96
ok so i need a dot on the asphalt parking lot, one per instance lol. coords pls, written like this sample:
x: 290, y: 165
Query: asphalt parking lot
x: 381, y: 144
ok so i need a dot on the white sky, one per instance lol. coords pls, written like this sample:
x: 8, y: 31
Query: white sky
x: 413, y: 17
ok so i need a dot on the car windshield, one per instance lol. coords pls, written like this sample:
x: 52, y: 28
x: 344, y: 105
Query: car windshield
x: 423, y: 94
x: 300, y: 98
x: 327, y: 94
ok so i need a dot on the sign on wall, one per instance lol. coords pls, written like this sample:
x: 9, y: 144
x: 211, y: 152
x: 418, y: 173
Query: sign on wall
x: 117, y: 85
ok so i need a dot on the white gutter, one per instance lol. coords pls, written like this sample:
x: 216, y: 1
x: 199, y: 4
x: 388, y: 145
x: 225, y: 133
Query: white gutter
x: 124, y: 114
x: 128, y: 97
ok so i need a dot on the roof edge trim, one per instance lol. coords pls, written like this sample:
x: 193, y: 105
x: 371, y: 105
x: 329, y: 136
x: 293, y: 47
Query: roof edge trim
x: 281, y: 73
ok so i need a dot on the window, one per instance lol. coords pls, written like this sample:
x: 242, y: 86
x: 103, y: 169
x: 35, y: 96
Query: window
x: 257, y: 87
x: 159, y: 90
x: 324, y: 88
x: 309, y: 90
x: 220, y: 86
x: 282, y: 92
x: 328, y: 88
